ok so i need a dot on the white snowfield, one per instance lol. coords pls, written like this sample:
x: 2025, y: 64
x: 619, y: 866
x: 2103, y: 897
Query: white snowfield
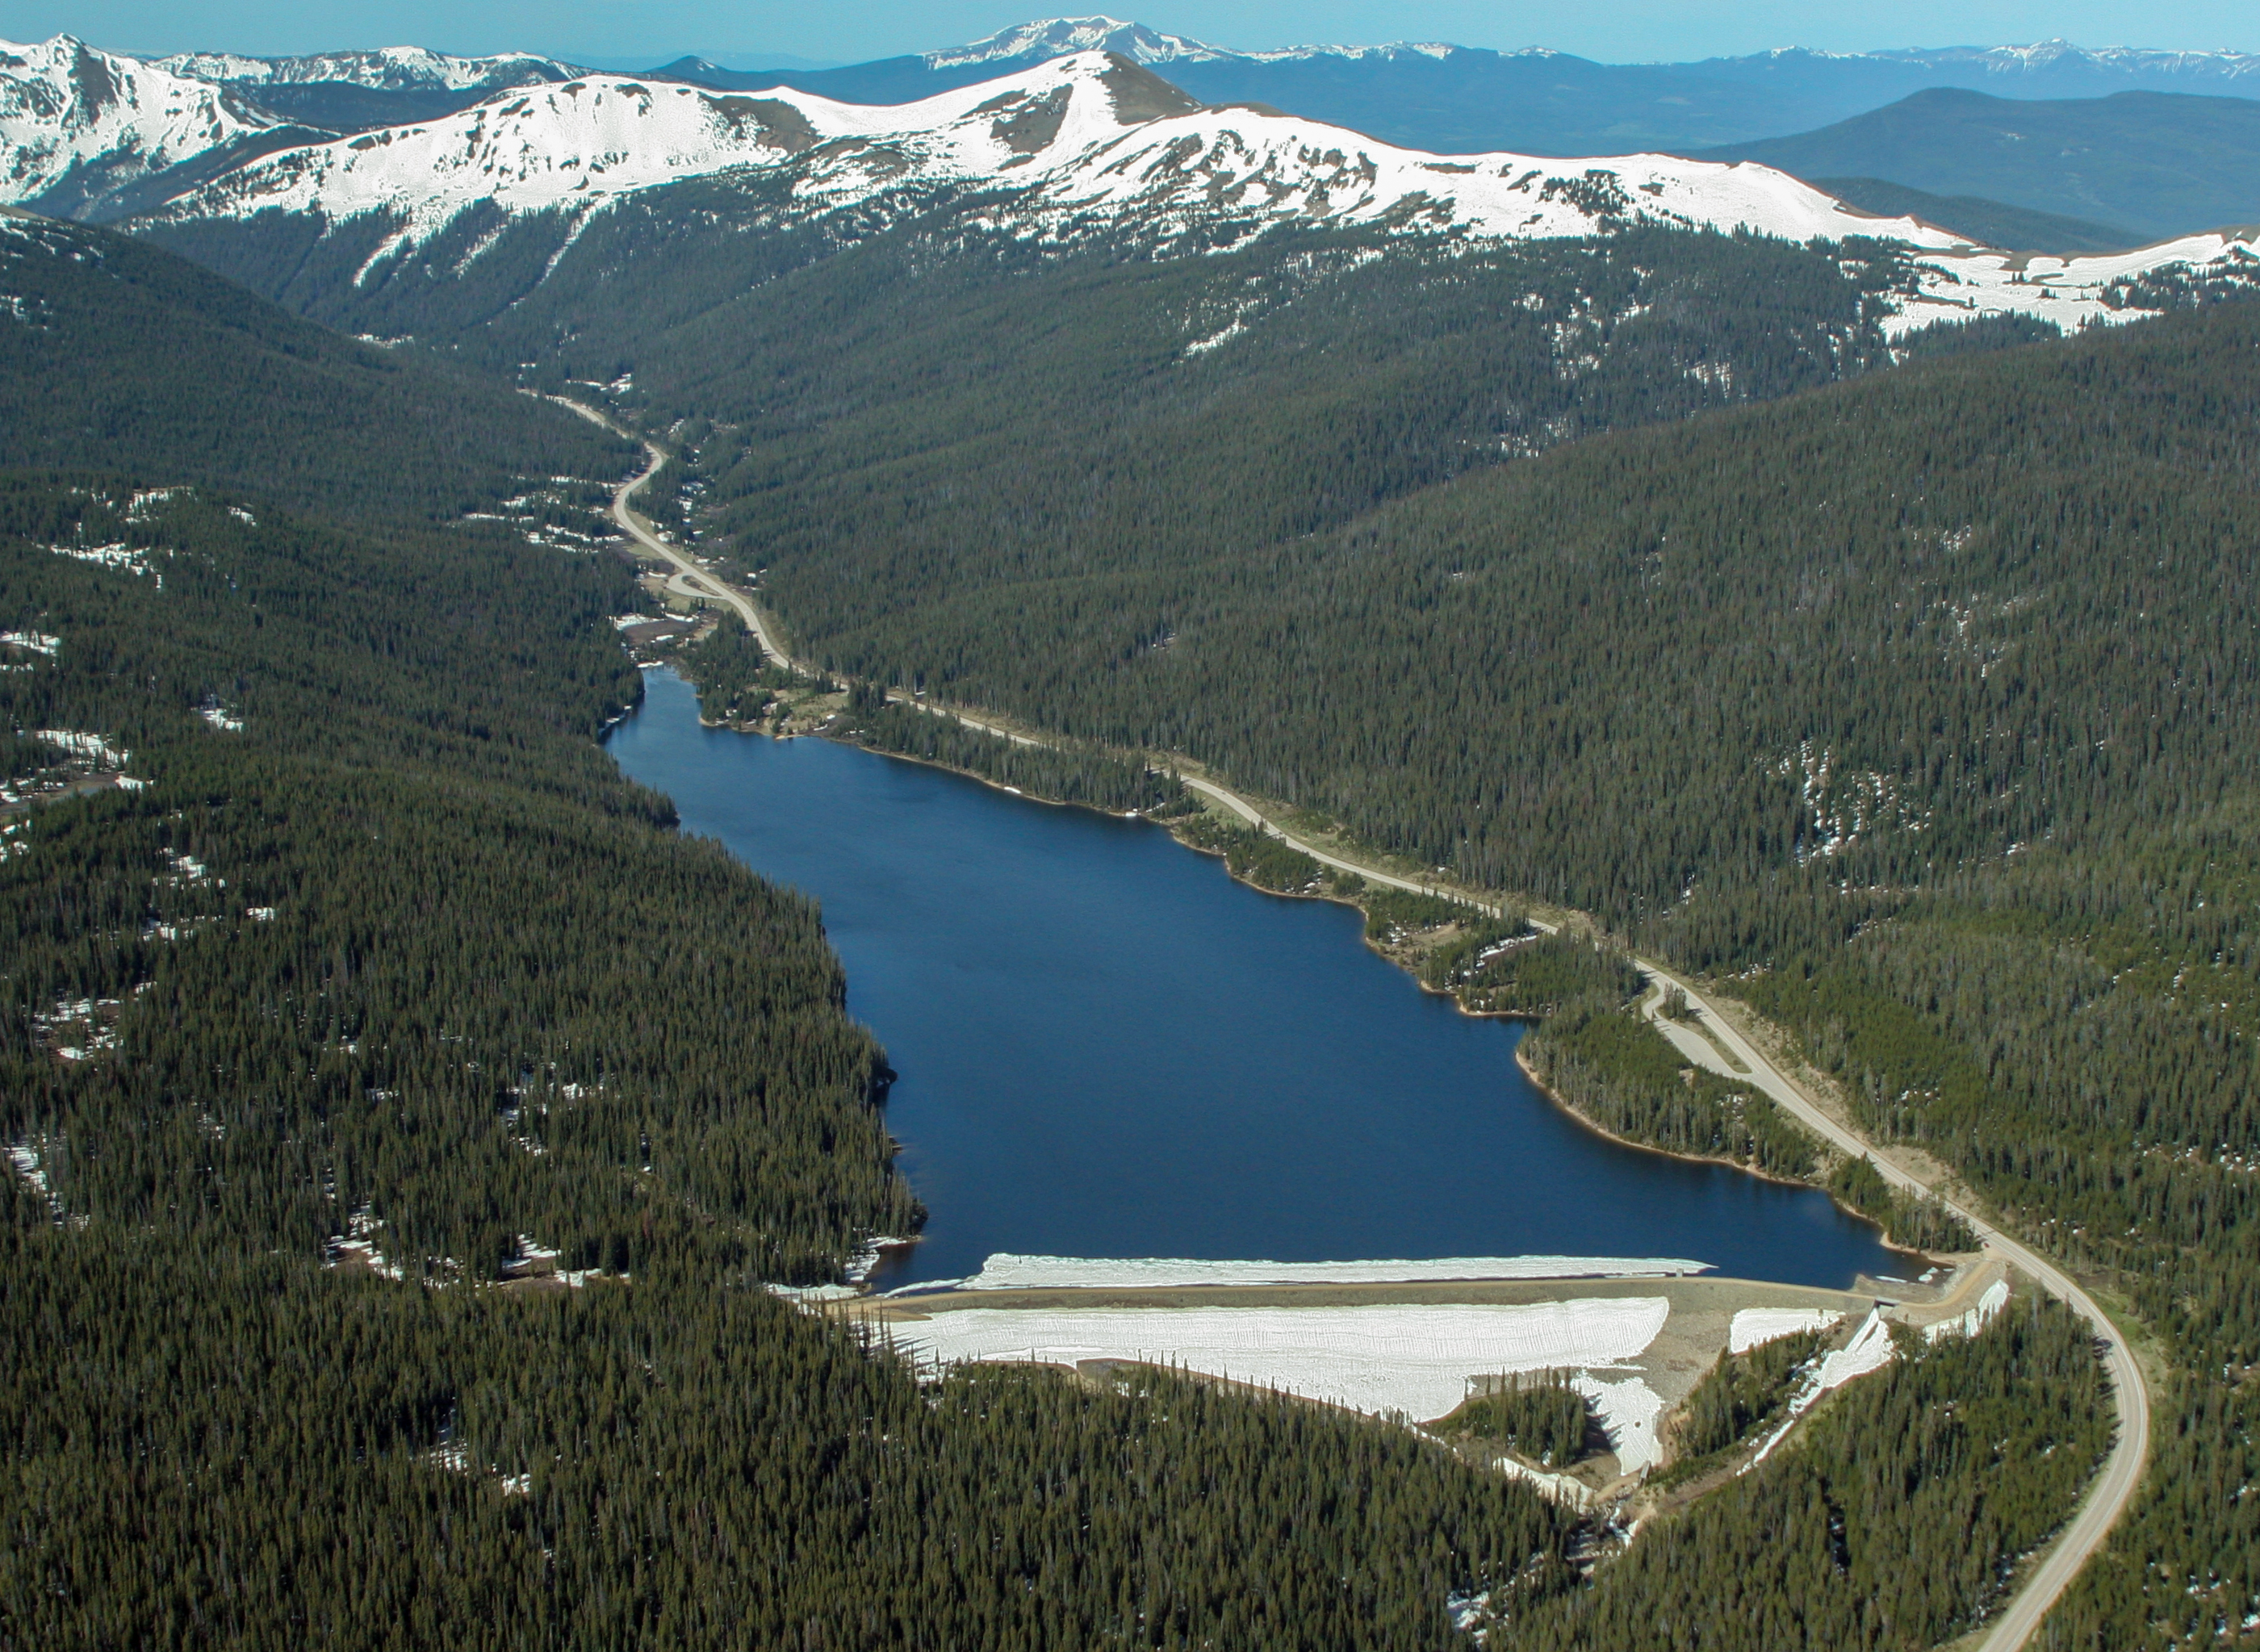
x: 1753, y: 1326
x: 1628, y: 1410
x: 1004, y: 1271
x: 1869, y: 1350
x: 1995, y: 1299
x: 65, y: 106
x: 1085, y: 146
x: 1382, y: 1358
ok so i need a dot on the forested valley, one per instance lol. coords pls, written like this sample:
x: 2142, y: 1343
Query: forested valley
x: 1916, y: 706
x: 1920, y: 707
x: 344, y: 975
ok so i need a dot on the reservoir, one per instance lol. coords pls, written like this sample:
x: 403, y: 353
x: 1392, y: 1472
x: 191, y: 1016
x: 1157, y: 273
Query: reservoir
x: 1109, y: 1048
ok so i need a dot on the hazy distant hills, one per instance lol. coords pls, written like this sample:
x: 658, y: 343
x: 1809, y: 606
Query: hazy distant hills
x: 1990, y: 223
x: 1461, y: 99
x: 2159, y: 164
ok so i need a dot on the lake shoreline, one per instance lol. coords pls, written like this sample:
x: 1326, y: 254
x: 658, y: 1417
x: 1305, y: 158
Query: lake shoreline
x: 919, y: 877
x: 1532, y: 1018
x: 1607, y: 1134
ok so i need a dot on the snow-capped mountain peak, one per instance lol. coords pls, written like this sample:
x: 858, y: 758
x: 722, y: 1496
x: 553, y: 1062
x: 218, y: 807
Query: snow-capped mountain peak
x: 1086, y: 147
x: 1061, y: 36
x: 1058, y: 37
x: 76, y: 122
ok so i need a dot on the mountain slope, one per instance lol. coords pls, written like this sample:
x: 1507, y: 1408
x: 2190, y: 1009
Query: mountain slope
x: 1088, y: 149
x: 1917, y: 711
x: 2160, y: 164
x: 1988, y: 222
x: 115, y: 353
x: 378, y: 986
x: 77, y: 124
x: 359, y: 91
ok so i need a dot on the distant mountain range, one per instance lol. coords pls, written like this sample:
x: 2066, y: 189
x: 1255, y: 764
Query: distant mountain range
x: 360, y: 91
x: 1423, y: 95
x: 1090, y: 144
x: 1453, y: 99
x: 1080, y: 150
x: 2159, y: 164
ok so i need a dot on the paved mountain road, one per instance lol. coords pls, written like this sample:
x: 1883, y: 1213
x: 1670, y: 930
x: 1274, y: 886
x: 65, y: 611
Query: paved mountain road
x: 689, y: 578
x: 2115, y: 1486
x: 2111, y: 1491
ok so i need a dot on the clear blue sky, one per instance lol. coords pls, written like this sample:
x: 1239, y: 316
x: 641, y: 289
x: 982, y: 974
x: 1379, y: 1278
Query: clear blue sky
x: 1617, y: 31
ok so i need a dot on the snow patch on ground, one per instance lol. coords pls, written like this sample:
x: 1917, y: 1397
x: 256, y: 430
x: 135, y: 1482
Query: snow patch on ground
x: 26, y: 1161
x: 1005, y: 1271
x: 859, y: 1265
x: 1996, y: 1298
x: 90, y: 747
x: 1628, y: 1411
x: 124, y: 558
x: 1384, y: 1358
x: 1754, y: 1325
x: 362, y: 1227
x: 1870, y: 1349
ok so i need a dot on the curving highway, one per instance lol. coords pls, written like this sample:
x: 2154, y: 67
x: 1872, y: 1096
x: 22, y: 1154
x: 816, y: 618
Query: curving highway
x: 2108, y: 1494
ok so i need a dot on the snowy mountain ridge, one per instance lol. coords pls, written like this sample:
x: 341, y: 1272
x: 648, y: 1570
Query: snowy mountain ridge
x: 1091, y: 146
x: 1060, y: 36
x: 1083, y: 135
x: 391, y: 69
x: 75, y: 122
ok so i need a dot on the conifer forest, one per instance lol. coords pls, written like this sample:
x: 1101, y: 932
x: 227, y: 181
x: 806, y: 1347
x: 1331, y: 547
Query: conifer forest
x: 1904, y: 691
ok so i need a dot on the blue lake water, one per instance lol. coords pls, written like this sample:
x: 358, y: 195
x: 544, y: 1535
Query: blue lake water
x: 1107, y: 1048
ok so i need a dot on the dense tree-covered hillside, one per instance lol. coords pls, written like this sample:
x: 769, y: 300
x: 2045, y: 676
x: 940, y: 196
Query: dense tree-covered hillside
x: 340, y: 974
x: 1924, y: 705
x: 382, y: 952
x: 928, y: 361
x: 1921, y: 704
x: 115, y: 353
